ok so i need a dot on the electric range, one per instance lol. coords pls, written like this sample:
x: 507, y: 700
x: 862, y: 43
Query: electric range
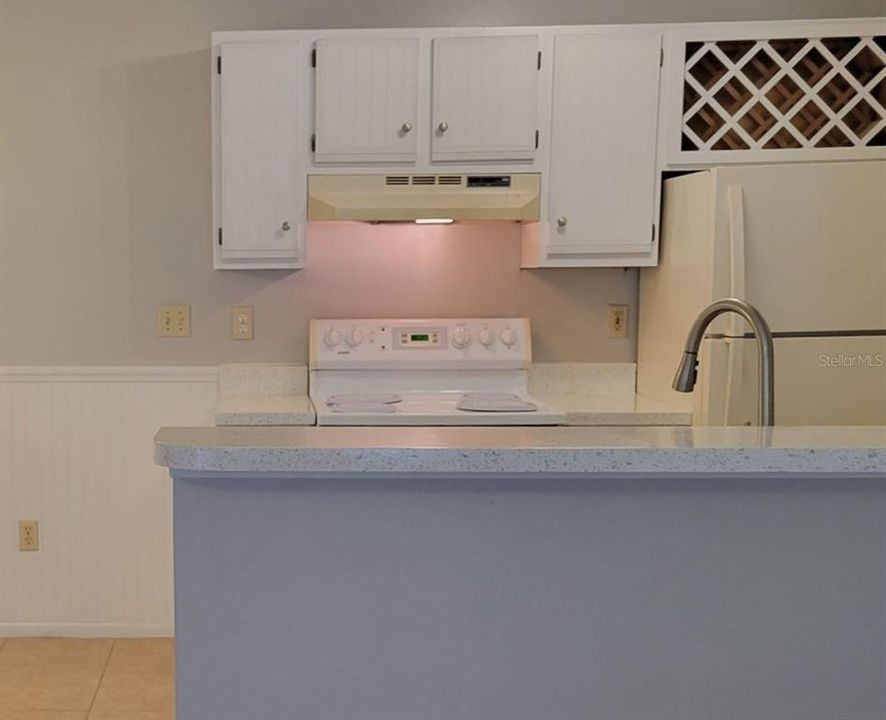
x: 467, y: 371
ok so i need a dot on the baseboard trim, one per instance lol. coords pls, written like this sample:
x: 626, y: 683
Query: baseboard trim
x: 86, y: 630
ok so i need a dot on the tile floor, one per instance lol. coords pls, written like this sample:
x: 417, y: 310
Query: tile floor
x: 74, y: 679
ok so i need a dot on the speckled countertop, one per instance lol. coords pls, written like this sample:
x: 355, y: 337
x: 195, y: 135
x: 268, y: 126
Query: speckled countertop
x: 265, y: 410
x: 510, y: 450
x: 614, y: 409
x: 588, y: 394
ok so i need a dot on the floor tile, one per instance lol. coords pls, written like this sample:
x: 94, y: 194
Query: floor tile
x: 139, y: 679
x: 50, y: 673
x: 44, y: 715
x: 150, y: 656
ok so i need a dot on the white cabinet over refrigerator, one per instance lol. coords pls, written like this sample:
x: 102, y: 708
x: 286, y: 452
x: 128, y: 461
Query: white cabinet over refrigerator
x: 806, y: 244
x: 794, y: 91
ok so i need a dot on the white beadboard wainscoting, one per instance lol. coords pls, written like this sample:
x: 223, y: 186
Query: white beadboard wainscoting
x: 76, y: 453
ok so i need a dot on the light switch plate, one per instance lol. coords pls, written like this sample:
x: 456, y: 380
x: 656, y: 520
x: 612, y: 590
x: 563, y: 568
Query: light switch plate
x: 173, y: 321
x: 242, y: 322
x: 617, y: 320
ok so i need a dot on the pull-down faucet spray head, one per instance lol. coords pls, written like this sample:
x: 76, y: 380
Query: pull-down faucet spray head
x: 687, y: 373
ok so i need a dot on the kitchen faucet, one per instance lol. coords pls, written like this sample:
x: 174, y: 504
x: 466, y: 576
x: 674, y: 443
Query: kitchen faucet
x: 684, y: 380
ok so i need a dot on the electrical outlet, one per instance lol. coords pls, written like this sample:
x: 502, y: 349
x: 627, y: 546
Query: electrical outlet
x: 617, y: 319
x: 28, y: 535
x: 241, y: 322
x: 173, y: 321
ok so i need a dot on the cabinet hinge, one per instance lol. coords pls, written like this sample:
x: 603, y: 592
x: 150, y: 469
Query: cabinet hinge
x: 661, y: 57
x: 314, y: 58
x: 313, y: 143
x: 539, y: 59
x: 219, y: 236
x: 536, y: 139
x: 218, y: 65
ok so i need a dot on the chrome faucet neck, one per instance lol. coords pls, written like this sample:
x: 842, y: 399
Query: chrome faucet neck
x: 684, y: 380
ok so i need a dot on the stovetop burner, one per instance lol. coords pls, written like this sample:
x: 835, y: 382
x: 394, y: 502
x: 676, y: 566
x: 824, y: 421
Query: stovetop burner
x: 374, y: 408
x: 364, y: 397
x: 489, y: 396
x: 502, y: 402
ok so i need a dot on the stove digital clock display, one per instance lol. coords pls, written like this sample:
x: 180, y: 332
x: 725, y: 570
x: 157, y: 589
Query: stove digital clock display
x: 420, y: 337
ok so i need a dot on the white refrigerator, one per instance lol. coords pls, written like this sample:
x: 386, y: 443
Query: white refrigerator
x: 806, y: 244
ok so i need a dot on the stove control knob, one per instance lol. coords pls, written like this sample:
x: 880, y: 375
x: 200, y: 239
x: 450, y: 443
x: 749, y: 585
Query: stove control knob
x: 486, y: 337
x: 354, y: 338
x: 508, y: 337
x: 332, y: 337
x: 461, y: 338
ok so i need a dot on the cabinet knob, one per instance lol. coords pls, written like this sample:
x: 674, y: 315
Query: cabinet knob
x: 406, y: 127
x: 443, y: 127
x: 561, y: 221
x: 286, y: 226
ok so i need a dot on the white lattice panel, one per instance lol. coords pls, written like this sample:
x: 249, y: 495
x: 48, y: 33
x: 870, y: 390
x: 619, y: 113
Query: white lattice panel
x: 750, y: 95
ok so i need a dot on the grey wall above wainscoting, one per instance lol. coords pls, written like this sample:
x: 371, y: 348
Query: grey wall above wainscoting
x: 105, y: 189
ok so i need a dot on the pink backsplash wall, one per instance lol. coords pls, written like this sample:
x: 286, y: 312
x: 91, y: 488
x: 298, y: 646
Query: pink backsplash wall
x: 470, y: 269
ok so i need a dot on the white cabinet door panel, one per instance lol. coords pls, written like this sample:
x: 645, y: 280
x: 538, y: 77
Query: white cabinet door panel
x: 261, y: 150
x: 366, y: 99
x: 485, y: 98
x: 603, y: 143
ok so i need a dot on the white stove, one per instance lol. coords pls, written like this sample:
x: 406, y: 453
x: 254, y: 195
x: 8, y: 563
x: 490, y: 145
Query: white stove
x: 469, y: 371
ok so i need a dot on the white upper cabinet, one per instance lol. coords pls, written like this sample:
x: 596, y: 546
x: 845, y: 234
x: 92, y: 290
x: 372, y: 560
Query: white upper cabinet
x: 366, y: 100
x: 587, y: 108
x: 602, y: 181
x: 261, y: 154
x: 485, y: 98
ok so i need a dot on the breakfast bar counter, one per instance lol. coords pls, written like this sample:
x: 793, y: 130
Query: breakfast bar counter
x: 507, y: 450
x: 562, y: 573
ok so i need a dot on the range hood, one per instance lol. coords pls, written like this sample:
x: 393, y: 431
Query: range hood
x: 404, y: 198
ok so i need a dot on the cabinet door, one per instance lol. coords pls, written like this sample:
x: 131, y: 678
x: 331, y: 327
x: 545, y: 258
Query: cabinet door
x: 603, y: 163
x: 366, y: 99
x: 485, y: 98
x: 263, y: 152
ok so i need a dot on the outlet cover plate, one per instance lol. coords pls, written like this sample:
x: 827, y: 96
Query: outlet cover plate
x: 242, y: 326
x: 617, y: 321
x: 28, y: 535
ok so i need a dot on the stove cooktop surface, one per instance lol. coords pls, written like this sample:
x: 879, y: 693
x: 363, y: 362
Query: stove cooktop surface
x: 469, y: 371
x: 436, y: 408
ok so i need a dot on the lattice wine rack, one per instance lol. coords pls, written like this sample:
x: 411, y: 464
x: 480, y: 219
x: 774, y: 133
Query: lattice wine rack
x: 795, y: 93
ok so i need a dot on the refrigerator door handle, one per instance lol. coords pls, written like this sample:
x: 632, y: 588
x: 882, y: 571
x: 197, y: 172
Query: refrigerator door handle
x: 737, y: 248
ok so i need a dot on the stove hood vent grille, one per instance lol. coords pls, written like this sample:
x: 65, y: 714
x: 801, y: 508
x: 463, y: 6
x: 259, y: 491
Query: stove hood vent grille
x: 424, y: 180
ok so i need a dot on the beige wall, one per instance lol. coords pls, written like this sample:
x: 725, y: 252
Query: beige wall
x: 105, y: 189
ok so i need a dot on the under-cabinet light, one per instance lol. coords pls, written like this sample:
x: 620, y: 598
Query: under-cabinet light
x: 433, y: 221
